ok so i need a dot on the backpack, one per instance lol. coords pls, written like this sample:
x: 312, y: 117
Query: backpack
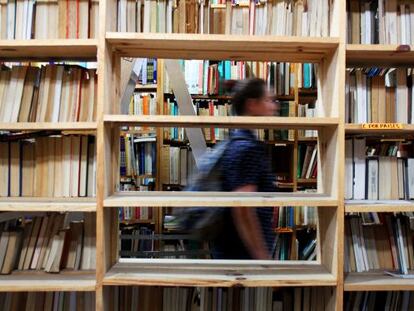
x: 206, y: 223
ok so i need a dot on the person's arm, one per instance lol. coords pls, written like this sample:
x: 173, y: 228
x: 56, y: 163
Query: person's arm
x: 249, y: 228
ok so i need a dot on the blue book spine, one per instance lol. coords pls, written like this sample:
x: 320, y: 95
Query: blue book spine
x: 227, y: 70
x: 155, y: 71
x: 306, y: 76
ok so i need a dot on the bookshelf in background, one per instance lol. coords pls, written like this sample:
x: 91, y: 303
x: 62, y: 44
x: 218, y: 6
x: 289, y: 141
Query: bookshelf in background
x: 294, y: 88
x: 206, y: 81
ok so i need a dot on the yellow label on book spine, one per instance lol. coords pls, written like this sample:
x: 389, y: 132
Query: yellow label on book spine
x: 382, y: 126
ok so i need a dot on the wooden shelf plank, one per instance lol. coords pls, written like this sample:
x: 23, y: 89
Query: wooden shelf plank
x: 32, y: 281
x: 379, y: 54
x: 358, y: 129
x: 145, y: 87
x: 227, y: 122
x: 217, y: 273
x: 361, y: 206
x: 216, y: 199
x: 376, y: 281
x: 218, y: 47
x: 37, y: 126
x: 49, y: 49
x: 38, y: 204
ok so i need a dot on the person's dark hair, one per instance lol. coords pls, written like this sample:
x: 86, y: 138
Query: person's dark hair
x: 244, y: 90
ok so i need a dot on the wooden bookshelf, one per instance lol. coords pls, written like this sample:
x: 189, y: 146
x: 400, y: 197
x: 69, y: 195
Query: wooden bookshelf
x: 160, y: 198
x: 218, y: 274
x: 379, y: 54
x: 42, y: 126
x: 37, y: 204
x: 34, y: 281
x: 407, y: 129
x: 217, y: 47
x: 376, y: 281
x: 54, y: 49
x: 353, y: 206
x: 228, y: 122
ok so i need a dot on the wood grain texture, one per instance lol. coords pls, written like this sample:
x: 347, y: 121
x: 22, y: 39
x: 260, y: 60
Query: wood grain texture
x: 378, y: 207
x: 217, y: 273
x: 222, y: 121
x: 376, y: 281
x: 39, y: 204
x: 51, y: 49
x: 379, y: 54
x: 212, y: 199
x: 32, y: 281
x: 37, y: 126
x: 408, y: 129
x: 218, y: 47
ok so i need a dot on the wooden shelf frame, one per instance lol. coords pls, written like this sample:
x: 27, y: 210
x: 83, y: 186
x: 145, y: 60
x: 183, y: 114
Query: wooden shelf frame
x: 224, y: 273
x: 39, y: 281
x: 376, y: 281
x: 42, y: 126
x: 379, y: 55
x: 407, y: 129
x: 387, y: 206
x: 39, y: 204
x: 220, y: 121
x: 49, y: 49
x: 217, y: 199
x: 218, y: 47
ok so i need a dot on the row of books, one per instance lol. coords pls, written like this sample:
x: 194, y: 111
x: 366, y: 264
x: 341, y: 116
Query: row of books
x: 207, y: 77
x: 307, y: 110
x: 217, y: 298
x: 372, y: 177
x: 47, y: 301
x: 66, y: 19
x: 291, y: 217
x: 380, y: 21
x: 148, y: 73
x: 392, y: 301
x: 307, y: 161
x: 138, y: 155
x: 282, y: 18
x: 384, y: 246
x: 50, y: 243
x: 379, y: 95
x: 299, y: 245
x: 131, y: 214
x: 177, y: 165
x: 50, y: 93
x: 58, y: 166
x: 202, y: 108
x: 143, y: 104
